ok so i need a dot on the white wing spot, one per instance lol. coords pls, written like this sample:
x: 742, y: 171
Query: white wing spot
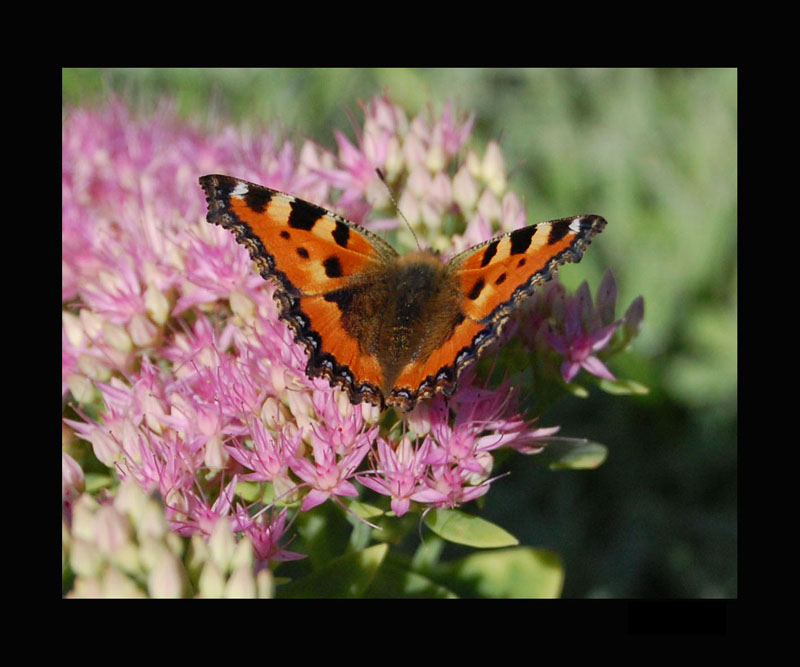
x: 575, y: 225
x: 240, y: 190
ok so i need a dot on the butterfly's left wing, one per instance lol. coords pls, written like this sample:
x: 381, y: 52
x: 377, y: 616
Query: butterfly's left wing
x: 322, y: 266
x: 493, y: 278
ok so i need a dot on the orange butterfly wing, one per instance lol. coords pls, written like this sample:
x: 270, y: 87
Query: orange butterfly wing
x: 493, y: 278
x: 316, y: 260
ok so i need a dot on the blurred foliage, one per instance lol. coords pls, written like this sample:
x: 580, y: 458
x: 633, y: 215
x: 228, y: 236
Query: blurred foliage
x: 653, y: 151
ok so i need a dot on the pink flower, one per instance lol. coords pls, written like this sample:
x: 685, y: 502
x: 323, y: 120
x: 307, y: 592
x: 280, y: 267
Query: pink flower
x: 202, y: 516
x: 399, y: 472
x: 385, y: 126
x: 452, y: 134
x: 214, y: 270
x: 269, y: 458
x: 579, y: 341
x: 449, y: 487
x: 328, y: 475
x: 266, y: 535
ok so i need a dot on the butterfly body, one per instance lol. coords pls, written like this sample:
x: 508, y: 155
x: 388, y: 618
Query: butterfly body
x: 388, y: 329
x: 391, y: 313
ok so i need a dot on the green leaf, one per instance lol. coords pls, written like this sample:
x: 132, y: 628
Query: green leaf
x: 624, y: 387
x: 348, y: 576
x: 573, y: 454
x: 577, y: 390
x: 521, y: 572
x: 364, y: 510
x: 461, y: 528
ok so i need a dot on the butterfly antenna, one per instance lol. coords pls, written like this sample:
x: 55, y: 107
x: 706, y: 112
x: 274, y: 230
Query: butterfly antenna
x: 396, y: 207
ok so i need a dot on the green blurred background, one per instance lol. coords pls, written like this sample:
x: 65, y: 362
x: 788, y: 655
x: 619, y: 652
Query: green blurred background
x: 654, y: 151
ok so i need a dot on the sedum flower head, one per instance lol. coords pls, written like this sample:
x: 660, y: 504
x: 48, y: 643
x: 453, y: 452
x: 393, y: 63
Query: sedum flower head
x: 181, y: 380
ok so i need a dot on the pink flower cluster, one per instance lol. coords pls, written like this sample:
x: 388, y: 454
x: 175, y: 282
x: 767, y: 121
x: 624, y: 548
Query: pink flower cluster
x: 181, y: 374
x: 576, y: 329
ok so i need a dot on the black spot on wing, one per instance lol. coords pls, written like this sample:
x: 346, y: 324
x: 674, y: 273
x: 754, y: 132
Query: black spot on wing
x: 558, y: 230
x: 333, y: 267
x: 257, y: 199
x: 490, y: 252
x: 476, y: 290
x: 302, y: 252
x: 341, y: 234
x: 521, y: 239
x: 304, y: 215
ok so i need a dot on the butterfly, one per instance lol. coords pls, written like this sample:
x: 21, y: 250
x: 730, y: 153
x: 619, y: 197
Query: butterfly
x: 389, y: 329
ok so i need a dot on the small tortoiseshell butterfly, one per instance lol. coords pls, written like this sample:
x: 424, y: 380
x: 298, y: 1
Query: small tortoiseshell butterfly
x: 390, y: 330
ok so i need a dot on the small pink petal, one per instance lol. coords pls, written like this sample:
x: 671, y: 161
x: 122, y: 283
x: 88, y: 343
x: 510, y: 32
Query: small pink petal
x: 598, y: 368
x: 569, y: 369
